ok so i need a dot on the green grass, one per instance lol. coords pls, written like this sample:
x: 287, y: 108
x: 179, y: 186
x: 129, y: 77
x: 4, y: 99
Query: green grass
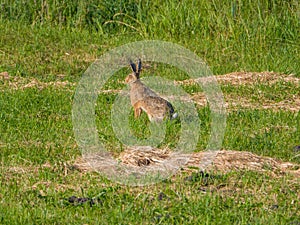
x: 263, y: 132
x: 57, y: 40
x: 258, y: 36
x: 264, y: 92
x: 44, y: 200
x: 36, y: 125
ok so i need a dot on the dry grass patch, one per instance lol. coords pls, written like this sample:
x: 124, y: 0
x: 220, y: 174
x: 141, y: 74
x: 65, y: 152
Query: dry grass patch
x: 223, y: 161
x: 21, y: 83
x: 243, y: 78
x: 232, y: 102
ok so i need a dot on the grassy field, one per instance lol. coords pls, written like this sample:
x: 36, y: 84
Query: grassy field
x: 45, y: 47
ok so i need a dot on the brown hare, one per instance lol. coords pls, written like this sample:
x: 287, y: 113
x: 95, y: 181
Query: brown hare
x: 144, y: 99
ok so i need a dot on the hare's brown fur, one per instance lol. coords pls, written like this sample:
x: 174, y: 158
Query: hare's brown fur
x: 138, y: 90
x: 144, y: 99
x: 156, y: 108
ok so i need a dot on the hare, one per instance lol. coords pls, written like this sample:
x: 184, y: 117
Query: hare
x: 144, y: 99
x: 156, y: 108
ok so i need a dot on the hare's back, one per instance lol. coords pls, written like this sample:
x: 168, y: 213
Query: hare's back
x: 156, y: 106
x: 139, y: 92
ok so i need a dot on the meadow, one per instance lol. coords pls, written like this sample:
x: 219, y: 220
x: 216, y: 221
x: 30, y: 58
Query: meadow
x: 47, y: 45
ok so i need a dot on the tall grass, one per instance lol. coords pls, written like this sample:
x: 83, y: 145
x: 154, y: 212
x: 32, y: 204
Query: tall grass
x: 278, y: 20
x: 89, y: 14
x: 231, y: 36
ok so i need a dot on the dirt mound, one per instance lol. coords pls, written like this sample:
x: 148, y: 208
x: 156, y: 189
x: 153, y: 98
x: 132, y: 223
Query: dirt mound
x: 222, y: 161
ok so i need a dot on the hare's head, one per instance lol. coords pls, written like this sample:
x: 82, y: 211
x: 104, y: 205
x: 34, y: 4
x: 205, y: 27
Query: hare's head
x: 135, y: 75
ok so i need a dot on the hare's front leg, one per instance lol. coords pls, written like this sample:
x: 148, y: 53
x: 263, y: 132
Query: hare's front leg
x: 137, y: 111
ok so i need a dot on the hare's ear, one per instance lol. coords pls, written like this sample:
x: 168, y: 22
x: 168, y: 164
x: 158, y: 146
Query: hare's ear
x: 133, y: 66
x: 139, y: 66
